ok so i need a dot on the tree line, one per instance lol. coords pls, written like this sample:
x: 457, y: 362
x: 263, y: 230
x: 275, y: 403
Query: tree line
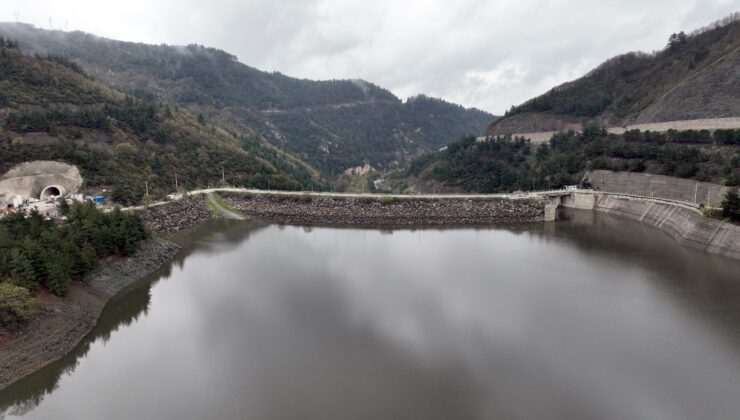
x: 35, y: 252
x: 505, y: 164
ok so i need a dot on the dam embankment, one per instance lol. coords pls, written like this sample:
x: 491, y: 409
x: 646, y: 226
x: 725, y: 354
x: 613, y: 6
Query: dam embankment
x: 667, y: 203
x: 688, y: 227
x: 386, y: 210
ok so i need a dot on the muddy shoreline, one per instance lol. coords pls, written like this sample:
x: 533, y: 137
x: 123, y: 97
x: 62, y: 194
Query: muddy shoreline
x: 62, y: 322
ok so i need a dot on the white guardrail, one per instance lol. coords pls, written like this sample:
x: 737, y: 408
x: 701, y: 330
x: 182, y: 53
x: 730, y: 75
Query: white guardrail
x: 522, y: 195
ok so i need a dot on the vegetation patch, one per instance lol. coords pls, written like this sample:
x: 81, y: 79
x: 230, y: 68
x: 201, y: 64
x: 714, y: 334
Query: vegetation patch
x: 220, y: 201
x: 124, y: 143
x: 387, y: 199
x: 503, y: 164
x: 16, y: 306
x: 731, y: 206
x: 35, y: 251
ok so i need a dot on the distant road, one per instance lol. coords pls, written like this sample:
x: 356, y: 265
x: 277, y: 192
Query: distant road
x: 701, y: 124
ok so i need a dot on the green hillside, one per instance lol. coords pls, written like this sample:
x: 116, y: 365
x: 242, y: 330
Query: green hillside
x: 503, y: 164
x: 332, y: 125
x: 49, y: 109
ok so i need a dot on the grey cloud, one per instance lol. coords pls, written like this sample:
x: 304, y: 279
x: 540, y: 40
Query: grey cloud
x: 482, y: 53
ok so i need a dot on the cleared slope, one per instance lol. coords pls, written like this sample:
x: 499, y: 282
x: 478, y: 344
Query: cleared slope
x: 696, y: 77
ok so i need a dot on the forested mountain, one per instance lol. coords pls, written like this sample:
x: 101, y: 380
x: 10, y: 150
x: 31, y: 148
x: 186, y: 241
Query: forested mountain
x: 50, y: 110
x: 503, y: 164
x: 696, y: 76
x: 333, y: 125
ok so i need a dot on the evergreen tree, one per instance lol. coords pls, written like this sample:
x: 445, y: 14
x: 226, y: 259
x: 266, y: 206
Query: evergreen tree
x: 22, y: 271
x: 34, y: 251
x: 36, y: 255
x: 731, y: 205
x: 58, y: 269
x: 63, y: 207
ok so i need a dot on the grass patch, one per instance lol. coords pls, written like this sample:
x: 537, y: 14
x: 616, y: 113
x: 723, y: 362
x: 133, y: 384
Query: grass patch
x: 221, y: 202
x: 217, y: 204
x: 387, y: 199
x: 304, y: 198
x: 17, y: 305
x: 212, y: 206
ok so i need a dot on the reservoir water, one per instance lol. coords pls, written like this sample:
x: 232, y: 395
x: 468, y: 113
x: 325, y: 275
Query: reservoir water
x: 588, y: 318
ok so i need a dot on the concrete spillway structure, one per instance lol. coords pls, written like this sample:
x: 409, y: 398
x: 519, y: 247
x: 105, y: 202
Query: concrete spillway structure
x: 40, y: 180
x: 683, y: 222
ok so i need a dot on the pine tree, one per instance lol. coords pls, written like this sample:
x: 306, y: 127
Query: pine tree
x: 58, y: 269
x: 36, y: 254
x: 22, y: 272
x: 63, y: 207
x: 731, y: 205
x: 88, y: 258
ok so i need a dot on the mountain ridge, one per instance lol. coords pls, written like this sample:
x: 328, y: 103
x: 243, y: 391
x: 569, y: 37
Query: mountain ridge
x: 50, y: 110
x: 331, y: 124
x: 695, y: 77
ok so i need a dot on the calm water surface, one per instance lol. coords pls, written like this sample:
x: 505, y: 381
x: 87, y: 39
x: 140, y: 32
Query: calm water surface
x: 590, y: 318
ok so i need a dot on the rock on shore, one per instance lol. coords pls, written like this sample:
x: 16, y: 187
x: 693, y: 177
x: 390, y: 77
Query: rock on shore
x: 388, y: 211
x: 177, y: 215
x: 116, y: 274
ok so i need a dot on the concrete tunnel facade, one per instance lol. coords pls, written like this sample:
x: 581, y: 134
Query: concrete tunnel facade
x: 40, y: 180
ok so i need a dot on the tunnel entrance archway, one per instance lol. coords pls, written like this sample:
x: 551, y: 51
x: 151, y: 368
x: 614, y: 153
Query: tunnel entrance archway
x: 50, y: 191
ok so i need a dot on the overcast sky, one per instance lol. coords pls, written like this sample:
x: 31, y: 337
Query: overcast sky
x: 488, y: 54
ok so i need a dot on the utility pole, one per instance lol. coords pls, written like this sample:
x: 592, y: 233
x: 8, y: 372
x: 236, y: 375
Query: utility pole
x: 696, y: 190
x: 146, y: 185
x: 223, y: 175
x: 176, y: 189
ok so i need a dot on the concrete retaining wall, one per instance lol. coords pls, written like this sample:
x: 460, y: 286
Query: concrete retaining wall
x: 687, y: 226
x: 657, y: 186
x: 579, y: 200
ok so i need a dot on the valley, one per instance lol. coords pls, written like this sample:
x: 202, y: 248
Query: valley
x: 184, y: 235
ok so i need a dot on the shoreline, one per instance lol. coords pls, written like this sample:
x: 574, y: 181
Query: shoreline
x: 61, y: 323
